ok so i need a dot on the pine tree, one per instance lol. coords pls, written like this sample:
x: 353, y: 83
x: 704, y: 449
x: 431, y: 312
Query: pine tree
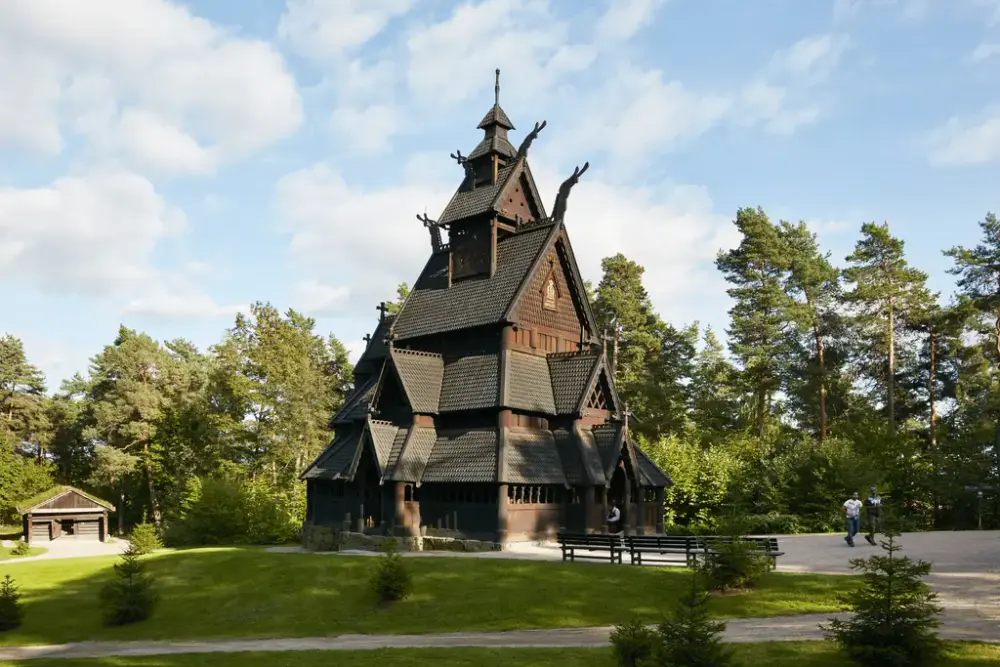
x: 11, y: 610
x: 886, y: 293
x: 895, y: 615
x: 688, y: 637
x: 715, y: 397
x: 814, y: 287
x: 759, y: 332
x: 129, y: 598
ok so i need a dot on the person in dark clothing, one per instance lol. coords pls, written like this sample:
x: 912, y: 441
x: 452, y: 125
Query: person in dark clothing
x: 614, y: 518
x: 873, y: 507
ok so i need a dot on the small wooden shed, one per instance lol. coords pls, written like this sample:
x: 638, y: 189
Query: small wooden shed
x: 62, y: 512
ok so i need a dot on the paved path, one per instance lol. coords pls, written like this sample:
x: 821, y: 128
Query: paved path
x: 64, y: 547
x: 958, y: 625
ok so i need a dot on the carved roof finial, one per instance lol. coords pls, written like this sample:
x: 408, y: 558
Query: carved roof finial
x: 496, y: 89
x: 382, y: 308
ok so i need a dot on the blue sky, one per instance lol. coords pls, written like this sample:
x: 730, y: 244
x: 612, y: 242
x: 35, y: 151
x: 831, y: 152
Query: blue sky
x: 163, y: 164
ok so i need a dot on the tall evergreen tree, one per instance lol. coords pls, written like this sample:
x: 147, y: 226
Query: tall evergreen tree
x: 759, y: 329
x: 22, y: 396
x: 885, y: 293
x: 715, y: 396
x: 814, y: 285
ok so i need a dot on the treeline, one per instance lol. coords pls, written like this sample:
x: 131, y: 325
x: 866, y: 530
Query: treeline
x: 197, y: 443
x: 836, y: 377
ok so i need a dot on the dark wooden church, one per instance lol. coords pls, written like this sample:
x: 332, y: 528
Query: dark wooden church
x: 486, y: 409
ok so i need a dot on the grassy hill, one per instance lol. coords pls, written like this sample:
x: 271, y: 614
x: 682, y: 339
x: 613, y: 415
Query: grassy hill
x: 250, y: 592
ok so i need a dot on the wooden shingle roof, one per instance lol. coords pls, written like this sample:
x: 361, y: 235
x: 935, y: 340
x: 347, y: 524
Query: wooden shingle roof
x: 435, y: 307
x: 421, y: 374
x: 40, y: 500
x: 463, y: 456
x: 334, y: 462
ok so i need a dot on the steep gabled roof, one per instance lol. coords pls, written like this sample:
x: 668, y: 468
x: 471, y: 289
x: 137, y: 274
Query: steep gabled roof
x: 560, y: 240
x: 416, y: 452
x: 421, y: 374
x: 382, y: 434
x: 571, y: 374
x: 601, y: 370
x: 435, y: 307
x: 532, y: 458
x: 471, y: 382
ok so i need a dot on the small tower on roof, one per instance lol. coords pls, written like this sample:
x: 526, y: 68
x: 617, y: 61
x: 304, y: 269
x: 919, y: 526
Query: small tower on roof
x: 495, y: 149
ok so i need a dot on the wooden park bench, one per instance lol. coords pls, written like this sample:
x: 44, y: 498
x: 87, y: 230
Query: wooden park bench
x: 660, y: 548
x: 768, y: 546
x: 570, y: 543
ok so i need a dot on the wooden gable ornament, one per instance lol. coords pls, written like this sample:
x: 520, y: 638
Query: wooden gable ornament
x: 550, y: 289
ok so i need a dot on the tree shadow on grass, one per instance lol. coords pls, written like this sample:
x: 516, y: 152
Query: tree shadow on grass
x: 247, y: 592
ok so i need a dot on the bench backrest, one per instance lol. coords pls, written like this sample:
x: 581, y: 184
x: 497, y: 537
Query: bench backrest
x: 759, y: 543
x: 658, y: 541
x: 588, y: 540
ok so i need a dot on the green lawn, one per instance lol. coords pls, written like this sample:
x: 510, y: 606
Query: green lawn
x: 779, y: 654
x: 7, y: 553
x: 249, y: 592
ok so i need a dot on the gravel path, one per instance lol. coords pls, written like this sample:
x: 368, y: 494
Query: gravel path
x: 957, y: 625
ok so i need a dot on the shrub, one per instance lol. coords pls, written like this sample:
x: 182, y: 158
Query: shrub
x: 390, y: 580
x: 22, y: 548
x: 129, y: 597
x: 230, y: 511
x: 733, y: 564
x: 895, y: 615
x: 11, y: 611
x: 689, y: 636
x: 773, y: 523
x: 144, y: 539
x: 633, y: 644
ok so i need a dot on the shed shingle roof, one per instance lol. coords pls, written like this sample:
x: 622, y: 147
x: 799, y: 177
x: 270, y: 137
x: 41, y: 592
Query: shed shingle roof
x: 528, y: 384
x: 434, y: 307
x: 463, y: 457
x: 421, y: 374
x: 335, y: 460
x: 402, y: 436
x: 651, y: 473
x: 39, y: 500
x: 355, y: 406
x: 376, y: 350
x: 590, y: 455
x: 415, y: 454
x: 470, y: 383
x: 499, y: 144
x: 532, y: 457
x: 383, y: 434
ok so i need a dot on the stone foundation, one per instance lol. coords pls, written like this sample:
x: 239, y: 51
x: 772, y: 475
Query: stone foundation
x: 331, y: 538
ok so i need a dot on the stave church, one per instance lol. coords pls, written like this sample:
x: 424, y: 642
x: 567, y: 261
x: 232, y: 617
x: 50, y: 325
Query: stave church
x: 486, y: 408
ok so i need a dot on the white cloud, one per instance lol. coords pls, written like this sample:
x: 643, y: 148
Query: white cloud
x: 624, y: 18
x: 965, y: 141
x: 346, y: 235
x: 638, y: 112
x: 767, y: 104
x: 448, y: 60
x: 812, y: 59
x: 985, y: 50
x: 94, y: 236
x: 315, y: 298
x: 142, y: 77
x: 322, y: 29
x: 169, y: 296
x: 369, y: 239
x: 367, y: 130
x: 83, y: 235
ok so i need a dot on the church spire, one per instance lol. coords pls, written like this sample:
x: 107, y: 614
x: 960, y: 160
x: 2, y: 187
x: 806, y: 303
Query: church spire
x: 496, y: 122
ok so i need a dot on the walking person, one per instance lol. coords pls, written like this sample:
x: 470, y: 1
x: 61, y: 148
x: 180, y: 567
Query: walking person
x: 873, y: 507
x: 614, y: 518
x: 852, y: 508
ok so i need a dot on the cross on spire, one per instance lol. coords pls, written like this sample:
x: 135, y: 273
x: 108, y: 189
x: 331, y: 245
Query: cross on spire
x: 382, y: 309
x: 367, y: 339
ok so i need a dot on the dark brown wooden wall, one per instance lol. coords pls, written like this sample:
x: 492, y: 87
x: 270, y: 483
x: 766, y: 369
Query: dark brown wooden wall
x: 515, y: 202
